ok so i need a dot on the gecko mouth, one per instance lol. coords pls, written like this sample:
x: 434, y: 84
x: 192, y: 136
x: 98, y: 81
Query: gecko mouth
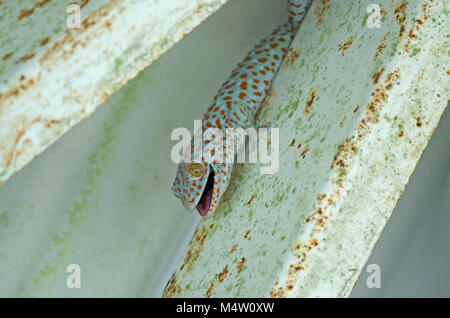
x: 205, y: 201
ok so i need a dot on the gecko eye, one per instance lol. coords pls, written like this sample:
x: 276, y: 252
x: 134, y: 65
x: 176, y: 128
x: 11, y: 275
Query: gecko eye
x: 195, y: 169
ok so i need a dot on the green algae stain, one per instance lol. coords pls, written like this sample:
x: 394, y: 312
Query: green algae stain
x: 4, y: 218
x: 98, y: 161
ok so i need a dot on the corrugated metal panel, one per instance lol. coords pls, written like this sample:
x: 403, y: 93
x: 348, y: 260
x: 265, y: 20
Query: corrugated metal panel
x: 100, y: 196
x: 356, y: 107
x: 51, y: 76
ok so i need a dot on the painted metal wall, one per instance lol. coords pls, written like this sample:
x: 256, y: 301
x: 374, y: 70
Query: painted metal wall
x: 356, y: 107
x: 53, y: 76
x: 100, y: 196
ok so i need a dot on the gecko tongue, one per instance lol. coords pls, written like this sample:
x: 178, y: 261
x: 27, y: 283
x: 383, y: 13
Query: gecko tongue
x: 205, y: 201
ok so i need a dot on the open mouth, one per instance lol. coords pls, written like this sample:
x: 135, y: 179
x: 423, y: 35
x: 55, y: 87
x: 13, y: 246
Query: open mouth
x: 205, y: 201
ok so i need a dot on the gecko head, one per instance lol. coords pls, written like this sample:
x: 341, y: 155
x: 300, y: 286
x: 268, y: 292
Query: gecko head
x: 200, y: 185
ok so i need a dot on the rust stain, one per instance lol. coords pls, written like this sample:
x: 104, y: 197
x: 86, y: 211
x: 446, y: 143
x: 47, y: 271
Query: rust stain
x: 27, y: 12
x: 309, y: 102
x: 44, y: 41
x: 319, y: 218
x: 420, y: 77
x: 400, y: 17
x: 291, y: 56
x: 418, y: 121
x: 14, y: 91
x: 247, y: 234
x: 321, y: 197
x: 209, y: 291
x: 400, y: 134
x: 233, y: 249
x: 25, y: 58
x: 356, y: 110
x: 345, y: 152
x: 8, y: 156
x: 52, y: 122
x: 198, y: 10
x: 381, y: 46
x: 252, y: 198
x: 346, y: 45
x: 374, y: 107
x: 223, y: 274
x: 1, y: 3
x: 7, y: 56
x: 172, y: 288
x: 300, y: 251
x: 417, y: 25
x: 27, y: 142
x: 320, y: 11
x: 292, y: 143
x: 108, y: 24
x: 305, y: 152
x: 68, y: 44
x: 341, y: 123
x: 83, y: 3
x: 240, y: 266
x: 195, y: 248
x: 377, y: 75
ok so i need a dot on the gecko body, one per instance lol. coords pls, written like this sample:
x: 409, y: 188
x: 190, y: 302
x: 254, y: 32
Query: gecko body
x: 200, y: 184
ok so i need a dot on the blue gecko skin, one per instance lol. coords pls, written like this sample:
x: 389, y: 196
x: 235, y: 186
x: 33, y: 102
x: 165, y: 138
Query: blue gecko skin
x: 200, y: 184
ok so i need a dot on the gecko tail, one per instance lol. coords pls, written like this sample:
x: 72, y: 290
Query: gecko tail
x: 297, y: 10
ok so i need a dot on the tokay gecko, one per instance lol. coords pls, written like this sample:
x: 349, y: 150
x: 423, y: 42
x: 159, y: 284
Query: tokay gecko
x: 200, y: 183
